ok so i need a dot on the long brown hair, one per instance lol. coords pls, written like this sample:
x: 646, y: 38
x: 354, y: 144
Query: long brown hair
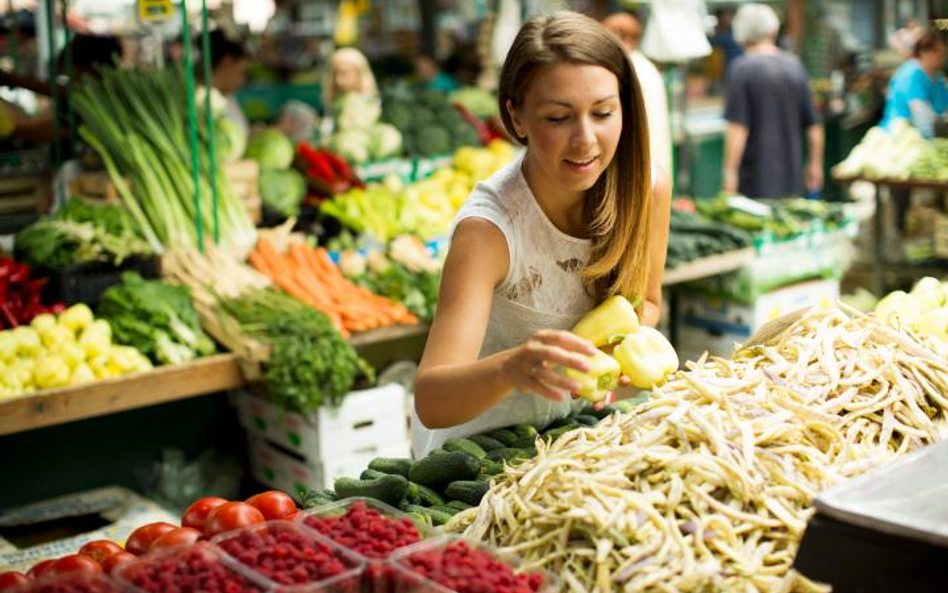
x: 618, y: 206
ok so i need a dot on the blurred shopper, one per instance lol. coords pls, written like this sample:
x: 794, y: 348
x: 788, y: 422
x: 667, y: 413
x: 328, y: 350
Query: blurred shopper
x: 723, y: 38
x: 428, y: 70
x: 628, y: 27
x: 768, y: 108
x: 348, y: 72
x: 903, y: 40
x: 917, y: 92
x: 229, y: 62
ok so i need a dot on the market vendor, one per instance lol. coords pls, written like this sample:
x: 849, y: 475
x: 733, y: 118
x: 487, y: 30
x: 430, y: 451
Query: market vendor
x: 579, y: 216
x: 229, y: 62
x: 769, y: 108
x: 917, y: 92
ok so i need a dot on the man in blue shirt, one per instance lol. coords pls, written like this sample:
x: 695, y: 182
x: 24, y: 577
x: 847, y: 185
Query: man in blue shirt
x: 917, y: 91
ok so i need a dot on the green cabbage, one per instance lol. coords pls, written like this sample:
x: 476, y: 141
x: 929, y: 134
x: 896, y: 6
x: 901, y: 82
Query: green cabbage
x: 272, y: 149
x: 352, y: 145
x: 384, y: 141
x: 282, y: 191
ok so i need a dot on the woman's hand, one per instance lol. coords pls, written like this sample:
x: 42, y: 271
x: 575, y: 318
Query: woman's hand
x: 533, y: 366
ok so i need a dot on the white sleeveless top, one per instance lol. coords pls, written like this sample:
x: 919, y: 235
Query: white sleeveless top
x: 542, y: 290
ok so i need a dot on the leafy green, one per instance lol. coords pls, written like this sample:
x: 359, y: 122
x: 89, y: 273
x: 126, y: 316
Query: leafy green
x: 310, y: 363
x: 272, y: 149
x: 282, y: 191
x: 416, y: 290
x: 81, y: 233
x: 158, y: 319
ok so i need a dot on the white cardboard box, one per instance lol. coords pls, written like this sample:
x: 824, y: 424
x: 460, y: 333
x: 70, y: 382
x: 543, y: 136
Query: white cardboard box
x: 278, y: 469
x: 366, y: 421
x: 121, y: 509
x: 715, y: 325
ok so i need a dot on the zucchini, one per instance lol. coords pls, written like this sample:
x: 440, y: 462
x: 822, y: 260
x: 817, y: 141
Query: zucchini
x: 465, y: 445
x: 505, y: 436
x: 389, y: 488
x: 485, y: 442
x: 427, y: 497
x: 469, y: 491
x: 371, y: 474
x: 435, y: 517
x: 391, y: 465
x: 459, y: 505
x: 525, y: 430
x: 437, y: 470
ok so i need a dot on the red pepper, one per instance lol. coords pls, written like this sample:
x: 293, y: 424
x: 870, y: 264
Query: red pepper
x: 342, y: 168
x: 9, y: 319
x: 483, y: 132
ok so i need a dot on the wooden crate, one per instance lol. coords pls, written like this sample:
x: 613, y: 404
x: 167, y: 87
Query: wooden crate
x: 242, y: 175
x: 20, y: 193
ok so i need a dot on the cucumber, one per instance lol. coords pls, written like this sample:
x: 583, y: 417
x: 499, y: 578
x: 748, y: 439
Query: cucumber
x: 391, y: 465
x: 313, y: 498
x: 465, y: 445
x: 525, y: 442
x: 413, y: 496
x: 459, y: 505
x: 490, y: 468
x: 505, y: 436
x: 525, y: 430
x: 485, y: 442
x: 586, y: 420
x: 436, y: 517
x: 469, y: 491
x: 558, y: 423
x: 555, y: 433
x: 371, y: 474
x: 389, y: 488
x: 509, y: 454
x: 427, y: 497
x: 450, y: 511
x: 437, y: 470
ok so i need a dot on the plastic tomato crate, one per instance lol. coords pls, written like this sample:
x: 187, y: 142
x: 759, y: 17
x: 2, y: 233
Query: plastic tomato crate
x: 73, y: 582
x: 200, y: 562
x: 409, y: 579
x: 378, y: 575
x: 283, y: 554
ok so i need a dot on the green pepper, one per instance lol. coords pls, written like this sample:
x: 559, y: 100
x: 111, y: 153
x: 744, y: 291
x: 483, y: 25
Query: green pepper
x: 647, y: 358
x: 602, y: 377
x: 614, y: 316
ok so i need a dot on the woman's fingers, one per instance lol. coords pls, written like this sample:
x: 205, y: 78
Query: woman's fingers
x: 538, y: 387
x: 565, y: 339
x: 556, y: 380
x: 555, y: 355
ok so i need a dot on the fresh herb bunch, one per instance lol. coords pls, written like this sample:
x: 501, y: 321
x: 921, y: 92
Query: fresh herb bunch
x: 416, y: 290
x: 310, y: 363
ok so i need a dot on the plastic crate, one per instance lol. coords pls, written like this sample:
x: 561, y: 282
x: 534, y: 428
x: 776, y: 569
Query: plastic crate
x: 297, y: 536
x: 85, y: 283
x: 408, y: 580
x: 378, y: 576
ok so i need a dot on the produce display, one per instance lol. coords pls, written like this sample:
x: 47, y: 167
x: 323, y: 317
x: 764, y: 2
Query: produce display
x: 359, y: 135
x: 326, y: 172
x: 779, y: 218
x: 21, y: 294
x: 60, y: 350
x: 923, y: 312
x: 137, y: 123
x: 708, y: 485
x: 693, y: 236
x: 478, y: 101
x: 425, y: 208
x: 429, y: 123
x: 80, y: 233
x: 308, y: 274
x: 157, y: 318
x: 900, y: 152
x: 282, y: 188
x: 405, y: 272
x: 459, y: 567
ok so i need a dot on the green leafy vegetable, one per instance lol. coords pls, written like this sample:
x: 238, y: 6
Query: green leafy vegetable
x: 272, y: 149
x: 282, y: 191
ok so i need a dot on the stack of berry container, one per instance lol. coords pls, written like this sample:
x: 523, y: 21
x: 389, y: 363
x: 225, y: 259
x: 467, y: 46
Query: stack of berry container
x: 72, y: 582
x: 370, y: 529
x: 200, y: 568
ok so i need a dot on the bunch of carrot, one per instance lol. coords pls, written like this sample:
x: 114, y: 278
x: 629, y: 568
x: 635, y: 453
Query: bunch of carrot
x: 309, y: 274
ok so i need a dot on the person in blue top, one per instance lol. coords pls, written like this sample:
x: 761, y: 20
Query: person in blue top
x: 917, y: 91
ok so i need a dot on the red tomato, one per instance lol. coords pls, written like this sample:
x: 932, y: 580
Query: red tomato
x: 74, y: 562
x: 12, y: 579
x: 232, y: 515
x: 40, y: 567
x: 182, y: 536
x: 100, y: 549
x: 197, y: 513
x: 274, y: 505
x: 140, y: 539
x: 116, y: 560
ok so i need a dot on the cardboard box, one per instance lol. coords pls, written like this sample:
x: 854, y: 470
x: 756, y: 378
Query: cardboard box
x: 281, y: 470
x: 366, y: 420
x: 116, y: 510
x: 716, y: 324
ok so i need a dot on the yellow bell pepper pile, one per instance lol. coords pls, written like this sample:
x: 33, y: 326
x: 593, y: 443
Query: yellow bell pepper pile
x: 640, y: 353
x: 57, y: 351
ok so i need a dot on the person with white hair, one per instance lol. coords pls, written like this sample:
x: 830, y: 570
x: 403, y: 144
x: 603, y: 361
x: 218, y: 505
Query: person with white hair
x: 768, y: 108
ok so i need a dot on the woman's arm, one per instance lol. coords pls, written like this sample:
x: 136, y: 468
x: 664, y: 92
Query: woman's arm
x: 453, y: 386
x: 661, y: 217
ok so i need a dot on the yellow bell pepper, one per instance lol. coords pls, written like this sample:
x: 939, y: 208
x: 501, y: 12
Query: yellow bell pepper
x: 646, y: 357
x: 602, y: 377
x: 76, y: 318
x: 51, y: 371
x: 614, y: 316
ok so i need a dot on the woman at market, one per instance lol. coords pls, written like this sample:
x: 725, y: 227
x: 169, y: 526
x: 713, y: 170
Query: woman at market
x: 348, y: 72
x: 579, y: 216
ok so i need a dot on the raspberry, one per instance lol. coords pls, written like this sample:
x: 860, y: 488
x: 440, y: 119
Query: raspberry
x: 466, y: 570
x: 188, y: 571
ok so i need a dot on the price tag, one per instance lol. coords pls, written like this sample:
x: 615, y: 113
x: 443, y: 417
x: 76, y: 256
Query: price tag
x: 155, y: 10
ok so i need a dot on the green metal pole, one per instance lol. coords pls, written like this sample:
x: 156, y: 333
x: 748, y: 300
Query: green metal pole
x: 54, y: 83
x: 192, y: 125
x: 211, y: 134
